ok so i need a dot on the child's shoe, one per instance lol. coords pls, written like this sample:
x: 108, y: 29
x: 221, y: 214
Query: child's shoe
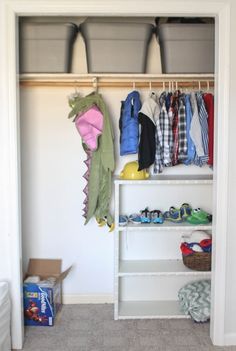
x: 185, y: 210
x: 123, y: 220
x: 157, y: 217
x: 145, y: 216
x: 198, y: 216
x: 173, y: 215
x: 135, y: 218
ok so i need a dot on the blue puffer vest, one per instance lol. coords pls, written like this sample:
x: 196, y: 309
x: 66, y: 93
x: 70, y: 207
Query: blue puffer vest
x: 129, y: 127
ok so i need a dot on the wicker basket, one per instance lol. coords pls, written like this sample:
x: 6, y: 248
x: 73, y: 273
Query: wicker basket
x: 199, y: 261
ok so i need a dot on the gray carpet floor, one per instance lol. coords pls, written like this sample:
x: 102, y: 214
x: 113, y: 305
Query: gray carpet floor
x: 92, y: 328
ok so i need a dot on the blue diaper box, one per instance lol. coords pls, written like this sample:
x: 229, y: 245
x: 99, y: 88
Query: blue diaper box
x: 42, y: 290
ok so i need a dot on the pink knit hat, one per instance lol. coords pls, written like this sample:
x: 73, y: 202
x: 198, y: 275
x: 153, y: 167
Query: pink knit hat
x: 90, y: 125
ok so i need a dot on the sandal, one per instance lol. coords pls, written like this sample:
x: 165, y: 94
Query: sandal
x: 135, y: 218
x: 145, y: 216
x: 157, y: 217
x: 173, y: 215
x: 185, y: 210
x: 199, y: 216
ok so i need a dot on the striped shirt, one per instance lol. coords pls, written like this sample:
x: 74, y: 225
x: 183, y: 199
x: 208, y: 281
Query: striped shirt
x: 203, y: 119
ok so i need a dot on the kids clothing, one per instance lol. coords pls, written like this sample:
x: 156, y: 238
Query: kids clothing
x: 191, y: 147
x: 209, y: 103
x: 128, y: 123
x: 147, y: 117
x: 101, y: 162
x: 182, y: 131
x: 203, y: 117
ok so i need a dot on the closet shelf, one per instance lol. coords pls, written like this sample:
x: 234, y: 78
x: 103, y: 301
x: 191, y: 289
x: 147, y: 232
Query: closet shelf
x: 171, y: 81
x: 157, y: 268
x: 150, y: 310
x: 166, y: 226
x: 169, y: 180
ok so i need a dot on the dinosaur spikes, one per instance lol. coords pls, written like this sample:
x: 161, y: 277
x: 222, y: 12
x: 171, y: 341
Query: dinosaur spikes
x: 86, y: 175
x: 86, y: 190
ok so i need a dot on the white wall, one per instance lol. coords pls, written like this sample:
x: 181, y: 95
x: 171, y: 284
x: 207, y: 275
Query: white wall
x: 4, y: 242
x: 230, y: 301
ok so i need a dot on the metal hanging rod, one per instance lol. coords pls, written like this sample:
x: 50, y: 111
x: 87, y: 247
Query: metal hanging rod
x: 166, y: 81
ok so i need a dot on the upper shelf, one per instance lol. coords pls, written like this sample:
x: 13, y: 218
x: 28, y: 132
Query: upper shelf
x: 169, y: 179
x: 165, y: 81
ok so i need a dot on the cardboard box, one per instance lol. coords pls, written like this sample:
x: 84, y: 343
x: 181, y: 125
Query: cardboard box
x: 43, y: 300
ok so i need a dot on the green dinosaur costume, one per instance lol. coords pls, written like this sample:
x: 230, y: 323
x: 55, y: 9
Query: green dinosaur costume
x: 102, y: 161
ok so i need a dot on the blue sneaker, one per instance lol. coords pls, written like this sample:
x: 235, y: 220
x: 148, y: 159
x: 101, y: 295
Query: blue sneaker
x: 173, y: 215
x: 135, y: 218
x: 145, y: 216
x: 123, y: 220
x: 157, y: 217
x: 185, y: 210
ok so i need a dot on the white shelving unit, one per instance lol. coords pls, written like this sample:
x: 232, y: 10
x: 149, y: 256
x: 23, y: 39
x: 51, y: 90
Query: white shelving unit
x: 152, y: 277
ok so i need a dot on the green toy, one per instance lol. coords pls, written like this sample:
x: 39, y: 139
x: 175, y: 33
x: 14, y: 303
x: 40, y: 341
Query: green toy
x: 198, y: 216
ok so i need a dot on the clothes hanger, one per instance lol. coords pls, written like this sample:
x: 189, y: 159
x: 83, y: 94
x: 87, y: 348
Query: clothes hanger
x: 208, y: 86
x: 73, y: 96
x: 199, y: 85
x: 152, y: 93
x: 164, y: 85
x: 95, y: 84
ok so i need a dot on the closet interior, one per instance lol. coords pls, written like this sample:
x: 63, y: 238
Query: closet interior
x: 148, y: 264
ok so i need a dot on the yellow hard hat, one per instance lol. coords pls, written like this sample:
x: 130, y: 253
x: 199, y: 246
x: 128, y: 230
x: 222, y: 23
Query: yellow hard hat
x: 130, y: 171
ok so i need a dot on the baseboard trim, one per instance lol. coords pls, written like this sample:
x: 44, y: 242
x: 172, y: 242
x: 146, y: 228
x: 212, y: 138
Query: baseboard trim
x: 73, y: 299
x: 230, y: 339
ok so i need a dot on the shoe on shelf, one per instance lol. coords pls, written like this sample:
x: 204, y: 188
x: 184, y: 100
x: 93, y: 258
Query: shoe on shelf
x: 135, y: 218
x: 185, y: 210
x: 123, y: 220
x: 173, y: 215
x: 157, y: 217
x: 198, y: 216
x: 145, y: 216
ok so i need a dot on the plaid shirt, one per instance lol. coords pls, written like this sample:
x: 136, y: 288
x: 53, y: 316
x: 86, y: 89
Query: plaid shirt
x: 164, y: 138
x: 182, y: 131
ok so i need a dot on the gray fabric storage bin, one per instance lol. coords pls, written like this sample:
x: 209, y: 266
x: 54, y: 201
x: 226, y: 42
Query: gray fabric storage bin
x: 116, y: 47
x: 186, y: 47
x: 46, y: 47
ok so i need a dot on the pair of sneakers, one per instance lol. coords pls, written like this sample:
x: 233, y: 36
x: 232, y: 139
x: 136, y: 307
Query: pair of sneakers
x: 154, y: 216
x: 133, y: 218
x: 145, y: 216
x: 178, y: 215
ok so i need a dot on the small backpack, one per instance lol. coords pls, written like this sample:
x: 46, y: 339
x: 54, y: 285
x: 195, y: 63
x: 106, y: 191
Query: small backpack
x: 128, y: 124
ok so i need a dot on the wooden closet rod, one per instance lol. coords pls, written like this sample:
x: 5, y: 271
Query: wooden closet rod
x: 165, y: 84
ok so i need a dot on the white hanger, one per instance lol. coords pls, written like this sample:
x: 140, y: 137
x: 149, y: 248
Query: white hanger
x: 95, y: 84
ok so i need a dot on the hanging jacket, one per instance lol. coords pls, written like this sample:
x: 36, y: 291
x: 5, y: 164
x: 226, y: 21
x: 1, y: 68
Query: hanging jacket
x: 128, y: 123
x: 147, y: 145
x: 102, y: 162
